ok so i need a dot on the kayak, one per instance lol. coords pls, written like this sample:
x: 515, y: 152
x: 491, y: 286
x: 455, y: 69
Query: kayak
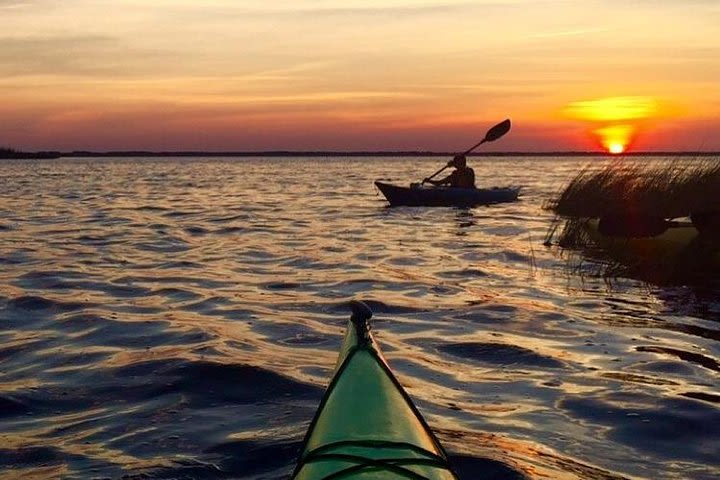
x: 366, y: 425
x: 419, y: 196
x: 679, y: 240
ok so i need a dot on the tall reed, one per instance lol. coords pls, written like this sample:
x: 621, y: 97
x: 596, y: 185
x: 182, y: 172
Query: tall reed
x: 621, y: 187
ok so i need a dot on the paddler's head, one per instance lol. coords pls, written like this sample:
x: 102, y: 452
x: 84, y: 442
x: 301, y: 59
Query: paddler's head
x: 458, y: 161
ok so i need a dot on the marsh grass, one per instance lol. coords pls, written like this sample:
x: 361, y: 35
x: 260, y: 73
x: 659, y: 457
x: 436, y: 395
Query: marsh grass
x: 596, y: 263
x: 668, y: 189
x: 624, y: 187
x: 584, y: 258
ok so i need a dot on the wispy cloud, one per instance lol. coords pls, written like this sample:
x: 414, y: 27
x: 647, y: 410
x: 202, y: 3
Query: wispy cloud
x: 13, y: 4
x: 71, y: 55
x: 613, y: 108
x: 571, y: 32
x: 335, y: 96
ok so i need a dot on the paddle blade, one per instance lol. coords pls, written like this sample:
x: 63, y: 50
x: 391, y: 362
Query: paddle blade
x: 497, y: 131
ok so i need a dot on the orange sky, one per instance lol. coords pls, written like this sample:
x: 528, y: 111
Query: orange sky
x: 359, y: 75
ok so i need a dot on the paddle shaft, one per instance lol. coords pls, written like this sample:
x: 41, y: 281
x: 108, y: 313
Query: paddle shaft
x: 475, y: 146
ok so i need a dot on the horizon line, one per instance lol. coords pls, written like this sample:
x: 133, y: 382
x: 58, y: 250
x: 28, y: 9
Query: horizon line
x: 339, y: 153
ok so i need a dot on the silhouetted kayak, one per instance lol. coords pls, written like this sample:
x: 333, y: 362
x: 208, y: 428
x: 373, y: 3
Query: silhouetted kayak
x: 366, y: 425
x: 672, y: 243
x: 418, y: 196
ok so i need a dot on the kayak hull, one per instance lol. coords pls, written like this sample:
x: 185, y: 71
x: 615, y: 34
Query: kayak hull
x: 366, y: 425
x: 678, y: 241
x: 445, y: 196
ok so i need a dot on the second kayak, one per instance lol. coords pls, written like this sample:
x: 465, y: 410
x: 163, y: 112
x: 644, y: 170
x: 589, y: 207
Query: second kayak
x: 445, y: 196
x: 676, y: 242
x: 366, y: 425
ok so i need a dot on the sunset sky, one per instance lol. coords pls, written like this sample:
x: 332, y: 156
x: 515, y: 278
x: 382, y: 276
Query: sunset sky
x: 359, y: 75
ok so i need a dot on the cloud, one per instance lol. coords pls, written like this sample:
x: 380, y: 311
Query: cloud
x: 70, y: 55
x: 13, y: 4
x: 22, y: 6
x: 612, y: 109
x: 571, y: 33
x: 316, y: 11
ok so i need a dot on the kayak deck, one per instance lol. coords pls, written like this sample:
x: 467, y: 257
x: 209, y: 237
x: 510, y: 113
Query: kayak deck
x: 446, y: 196
x: 366, y: 425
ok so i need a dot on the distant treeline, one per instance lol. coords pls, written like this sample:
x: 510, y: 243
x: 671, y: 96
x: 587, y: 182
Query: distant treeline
x: 11, y: 153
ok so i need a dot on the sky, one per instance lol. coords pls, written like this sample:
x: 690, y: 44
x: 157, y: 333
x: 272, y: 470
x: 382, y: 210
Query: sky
x: 220, y: 75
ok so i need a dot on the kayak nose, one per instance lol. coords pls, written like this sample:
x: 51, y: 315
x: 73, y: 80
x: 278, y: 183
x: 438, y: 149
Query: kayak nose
x: 360, y: 311
x: 361, y: 314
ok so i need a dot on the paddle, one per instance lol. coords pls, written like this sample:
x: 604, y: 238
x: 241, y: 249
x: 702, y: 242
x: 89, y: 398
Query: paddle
x: 493, y: 134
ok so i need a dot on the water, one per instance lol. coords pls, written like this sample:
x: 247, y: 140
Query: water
x: 180, y: 318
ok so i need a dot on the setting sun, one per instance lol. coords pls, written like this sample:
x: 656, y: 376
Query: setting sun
x: 614, y: 120
x: 615, y: 138
x: 616, y: 148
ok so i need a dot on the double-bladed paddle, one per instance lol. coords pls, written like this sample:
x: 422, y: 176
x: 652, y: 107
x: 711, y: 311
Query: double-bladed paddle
x: 493, y: 134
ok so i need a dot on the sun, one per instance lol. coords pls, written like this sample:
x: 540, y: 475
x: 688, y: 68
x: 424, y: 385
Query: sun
x: 615, y: 121
x: 615, y: 138
x: 616, y: 148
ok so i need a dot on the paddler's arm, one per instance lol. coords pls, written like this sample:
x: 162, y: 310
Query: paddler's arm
x: 443, y: 181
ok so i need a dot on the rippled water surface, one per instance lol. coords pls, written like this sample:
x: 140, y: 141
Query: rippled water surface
x: 180, y: 318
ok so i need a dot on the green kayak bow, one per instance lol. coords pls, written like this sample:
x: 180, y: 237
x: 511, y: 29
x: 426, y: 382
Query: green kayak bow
x: 366, y: 426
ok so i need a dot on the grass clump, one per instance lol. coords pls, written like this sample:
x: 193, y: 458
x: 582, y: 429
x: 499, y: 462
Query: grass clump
x: 636, y: 199
x: 670, y: 190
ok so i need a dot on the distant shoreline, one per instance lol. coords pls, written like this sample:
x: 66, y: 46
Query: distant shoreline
x: 283, y: 153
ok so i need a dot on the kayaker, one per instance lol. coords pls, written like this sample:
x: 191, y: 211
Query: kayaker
x: 462, y: 177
